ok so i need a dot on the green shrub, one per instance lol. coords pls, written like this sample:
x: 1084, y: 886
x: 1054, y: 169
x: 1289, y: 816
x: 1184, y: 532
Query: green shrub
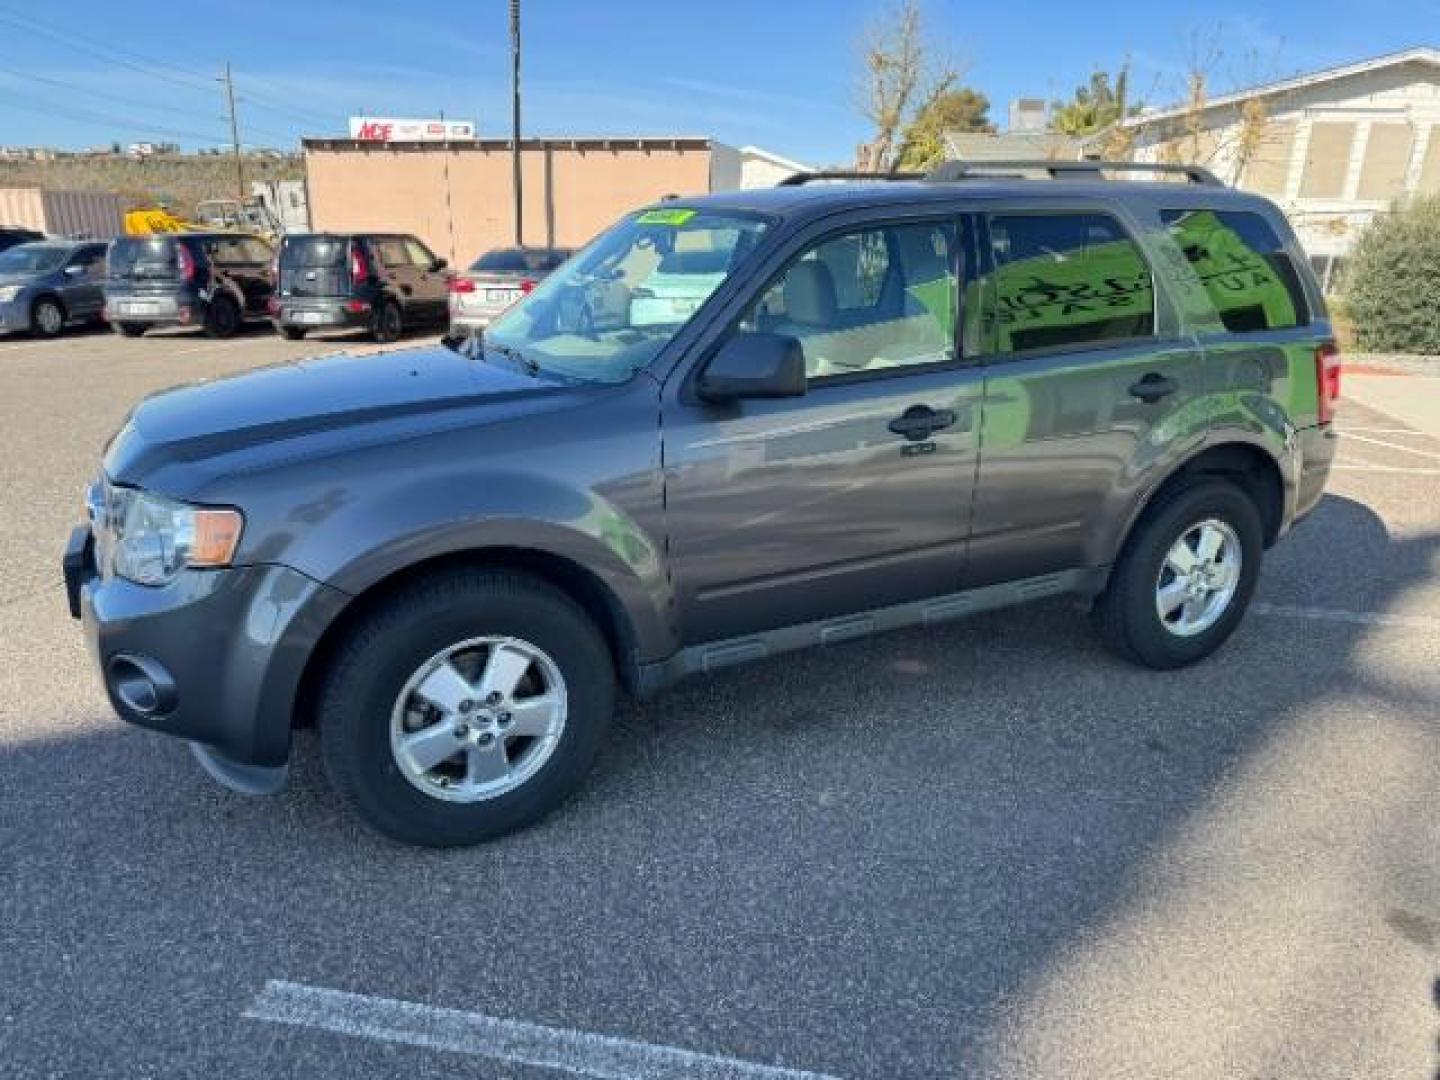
x: 1392, y: 289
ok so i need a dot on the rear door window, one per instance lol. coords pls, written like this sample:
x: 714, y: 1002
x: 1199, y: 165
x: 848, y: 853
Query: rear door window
x: 391, y: 252
x: 1058, y: 280
x: 1243, y: 264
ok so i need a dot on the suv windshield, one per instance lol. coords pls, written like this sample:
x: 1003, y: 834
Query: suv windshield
x: 314, y: 251
x: 610, y: 309
x: 32, y: 259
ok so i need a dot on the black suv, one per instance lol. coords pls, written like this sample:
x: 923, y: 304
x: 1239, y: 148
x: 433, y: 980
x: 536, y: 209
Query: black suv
x: 382, y: 282
x: 218, y: 281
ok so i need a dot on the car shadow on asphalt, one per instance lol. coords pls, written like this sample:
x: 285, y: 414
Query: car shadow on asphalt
x: 966, y: 848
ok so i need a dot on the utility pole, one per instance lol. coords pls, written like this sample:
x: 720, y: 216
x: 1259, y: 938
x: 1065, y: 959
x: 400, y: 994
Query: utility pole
x: 234, y: 133
x: 515, y: 119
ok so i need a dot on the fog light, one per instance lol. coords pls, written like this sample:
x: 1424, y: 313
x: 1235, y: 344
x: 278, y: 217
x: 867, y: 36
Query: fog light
x: 141, y: 684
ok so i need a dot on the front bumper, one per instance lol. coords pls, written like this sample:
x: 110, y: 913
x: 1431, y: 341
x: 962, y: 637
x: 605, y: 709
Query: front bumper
x: 15, y: 314
x: 215, y: 657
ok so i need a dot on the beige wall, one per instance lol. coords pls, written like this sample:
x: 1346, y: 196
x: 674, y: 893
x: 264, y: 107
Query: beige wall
x: 458, y: 200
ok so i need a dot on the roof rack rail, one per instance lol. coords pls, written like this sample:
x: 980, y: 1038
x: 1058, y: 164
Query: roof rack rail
x: 796, y: 179
x: 1062, y: 170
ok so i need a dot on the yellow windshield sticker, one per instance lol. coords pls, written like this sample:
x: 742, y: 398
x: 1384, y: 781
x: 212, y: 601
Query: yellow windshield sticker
x: 665, y: 217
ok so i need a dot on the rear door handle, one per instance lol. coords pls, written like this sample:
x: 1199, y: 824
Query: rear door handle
x: 1152, y: 387
x: 919, y: 422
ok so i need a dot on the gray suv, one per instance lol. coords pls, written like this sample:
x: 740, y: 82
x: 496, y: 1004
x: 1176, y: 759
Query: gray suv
x: 730, y: 427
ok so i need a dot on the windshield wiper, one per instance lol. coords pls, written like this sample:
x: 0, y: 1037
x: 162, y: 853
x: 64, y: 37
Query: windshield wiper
x: 527, y: 364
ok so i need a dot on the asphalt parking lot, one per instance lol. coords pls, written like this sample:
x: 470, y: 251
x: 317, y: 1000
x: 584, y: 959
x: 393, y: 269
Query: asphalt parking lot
x: 987, y: 849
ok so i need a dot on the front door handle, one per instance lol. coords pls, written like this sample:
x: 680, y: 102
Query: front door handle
x: 919, y: 422
x: 1152, y: 387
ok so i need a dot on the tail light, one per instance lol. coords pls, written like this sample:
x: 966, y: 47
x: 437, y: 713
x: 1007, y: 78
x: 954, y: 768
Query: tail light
x: 527, y: 285
x: 461, y: 285
x: 1327, y: 379
x: 359, y: 265
x: 185, y: 261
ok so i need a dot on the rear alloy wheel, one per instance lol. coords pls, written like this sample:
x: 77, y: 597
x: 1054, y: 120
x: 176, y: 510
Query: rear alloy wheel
x: 47, y: 317
x: 388, y: 324
x: 466, y: 707
x: 1185, y: 578
x: 222, y: 320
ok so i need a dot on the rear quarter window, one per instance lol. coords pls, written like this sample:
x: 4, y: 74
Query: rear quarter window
x: 1244, y: 266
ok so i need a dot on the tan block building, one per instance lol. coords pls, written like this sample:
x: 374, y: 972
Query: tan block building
x: 456, y: 196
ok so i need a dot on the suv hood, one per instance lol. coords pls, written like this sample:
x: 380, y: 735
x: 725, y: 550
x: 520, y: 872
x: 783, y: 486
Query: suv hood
x: 176, y: 441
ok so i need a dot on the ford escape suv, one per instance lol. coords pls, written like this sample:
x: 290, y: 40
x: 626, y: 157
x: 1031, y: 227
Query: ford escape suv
x: 729, y: 427
x: 217, y: 281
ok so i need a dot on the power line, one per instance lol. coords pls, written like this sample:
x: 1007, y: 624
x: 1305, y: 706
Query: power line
x: 155, y: 69
x: 88, y: 116
x: 30, y: 76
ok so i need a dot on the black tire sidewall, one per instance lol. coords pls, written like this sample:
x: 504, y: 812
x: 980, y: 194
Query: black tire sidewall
x: 292, y: 333
x: 222, y: 320
x: 389, y: 323
x: 128, y: 329
x: 357, y: 703
x: 35, y: 323
x: 1151, y: 643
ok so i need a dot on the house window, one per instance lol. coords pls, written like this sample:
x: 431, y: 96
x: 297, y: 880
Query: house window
x: 1387, y: 158
x: 1267, y: 172
x: 1328, y: 160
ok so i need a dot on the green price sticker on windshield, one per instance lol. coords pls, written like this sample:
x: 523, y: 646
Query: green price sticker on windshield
x: 665, y: 217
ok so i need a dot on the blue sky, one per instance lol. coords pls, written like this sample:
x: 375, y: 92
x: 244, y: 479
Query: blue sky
x: 779, y: 73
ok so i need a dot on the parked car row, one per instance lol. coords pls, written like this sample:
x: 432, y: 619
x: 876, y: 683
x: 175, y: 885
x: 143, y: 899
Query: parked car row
x: 383, y: 283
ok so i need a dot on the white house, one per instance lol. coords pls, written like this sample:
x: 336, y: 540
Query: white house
x: 1333, y: 148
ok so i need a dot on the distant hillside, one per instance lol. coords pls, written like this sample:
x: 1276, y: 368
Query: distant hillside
x: 179, y: 181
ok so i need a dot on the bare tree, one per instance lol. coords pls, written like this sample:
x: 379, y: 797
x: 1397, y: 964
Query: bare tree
x: 902, y: 78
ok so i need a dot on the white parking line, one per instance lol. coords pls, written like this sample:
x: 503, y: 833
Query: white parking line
x: 1385, y: 431
x: 1364, y: 618
x: 1395, y: 446
x: 577, y: 1052
x: 1365, y: 466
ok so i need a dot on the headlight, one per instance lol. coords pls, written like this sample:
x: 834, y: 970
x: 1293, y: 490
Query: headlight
x: 152, y: 538
x: 9, y: 292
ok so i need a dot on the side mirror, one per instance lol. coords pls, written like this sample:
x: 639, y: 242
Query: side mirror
x: 439, y: 264
x: 754, y: 365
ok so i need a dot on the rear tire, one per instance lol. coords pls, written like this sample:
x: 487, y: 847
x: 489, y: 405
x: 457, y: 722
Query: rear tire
x: 47, y: 317
x: 291, y: 333
x: 371, y: 702
x: 128, y: 329
x: 1128, y: 616
x: 222, y: 320
x: 388, y: 323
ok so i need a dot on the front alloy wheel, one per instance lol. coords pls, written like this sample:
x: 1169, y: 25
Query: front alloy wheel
x: 465, y: 706
x: 478, y: 719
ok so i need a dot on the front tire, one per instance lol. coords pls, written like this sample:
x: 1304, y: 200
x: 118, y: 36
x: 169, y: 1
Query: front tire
x: 47, y: 318
x: 466, y: 707
x: 1185, y: 577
